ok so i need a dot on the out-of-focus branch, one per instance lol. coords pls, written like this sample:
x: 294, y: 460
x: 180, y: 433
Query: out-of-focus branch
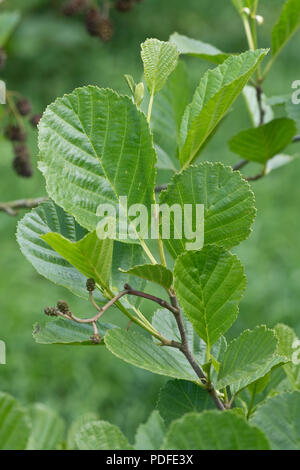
x: 12, y: 208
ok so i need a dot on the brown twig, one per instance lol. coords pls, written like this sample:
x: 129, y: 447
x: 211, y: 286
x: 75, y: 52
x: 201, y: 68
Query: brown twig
x: 12, y: 207
x: 144, y: 295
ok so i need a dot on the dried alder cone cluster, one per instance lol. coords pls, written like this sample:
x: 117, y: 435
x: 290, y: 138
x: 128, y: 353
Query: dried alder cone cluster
x: 18, y: 110
x: 97, y: 19
x: 97, y: 146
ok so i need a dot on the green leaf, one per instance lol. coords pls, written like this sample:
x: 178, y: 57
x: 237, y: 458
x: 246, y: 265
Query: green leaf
x: 140, y: 351
x: 101, y: 435
x: 47, y: 428
x: 209, y: 284
x: 213, y: 98
x: 287, y: 25
x: 91, y: 256
x: 167, y: 112
x: 63, y: 331
x: 264, y: 142
x: 48, y: 217
x: 8, y: 22
x: 14, y: 424
x: 160, y: 59
x: 250, y: 96
x: 149, y: 436
x: 228, y: 205
x: 179, y: 397
x: 194, y: 47
x: 212, y: 430
x: 279, y: 418
x: 95, y: 146
x: 248, y: 358
x: 76, y: 426
x: 260, y: 384
x: 152, y: 272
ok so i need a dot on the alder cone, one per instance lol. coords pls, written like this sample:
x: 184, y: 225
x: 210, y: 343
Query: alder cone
x: 15, y: 133
x: 106, y: 30
x: 24, y: 106
x: 124, y: 5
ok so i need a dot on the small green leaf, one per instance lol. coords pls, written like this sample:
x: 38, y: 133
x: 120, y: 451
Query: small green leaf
x: 217, y: 91
x: 212, y: 430
x: 248, y: 358
x: 149, y: 436
x: 91, y: 256
x: 228, y: 205
x: 179, y: 397
x: 100, y: 435
x: 194, y: 47
x: 264, y: 142
x: 152, y: 272
x: 279, y: 418
x: 14, y: 424
x: 160, y: 59
x: 8, y: 22
x: 47, y: 428
x: 209, y: 284
x: 140, y: 351
x: 287, y: 25
x: 63, y: 331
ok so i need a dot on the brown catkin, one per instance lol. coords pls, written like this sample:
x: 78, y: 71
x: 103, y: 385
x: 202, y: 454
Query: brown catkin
x: 3, y: 58
x: 106, y: 30
x: 35, y: 119
x: 73, y: 7
x: 15, y: 133
x: 124, y: 5
x: 24, y: 106
x: 92, y: 21
x: 21, y: 162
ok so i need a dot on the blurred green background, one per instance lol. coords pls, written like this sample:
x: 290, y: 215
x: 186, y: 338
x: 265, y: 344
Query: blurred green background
x: 50, y: 55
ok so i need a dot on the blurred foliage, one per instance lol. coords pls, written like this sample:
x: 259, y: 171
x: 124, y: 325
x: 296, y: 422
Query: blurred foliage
x: 50, y: 55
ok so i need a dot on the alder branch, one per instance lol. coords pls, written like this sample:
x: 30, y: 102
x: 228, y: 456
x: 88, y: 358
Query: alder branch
x: 12, y: 208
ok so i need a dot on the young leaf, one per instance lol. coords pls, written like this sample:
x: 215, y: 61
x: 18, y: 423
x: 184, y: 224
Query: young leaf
x: 212, y: 430
x: 248, y: 358
x: 14, y: 424
x: 209, y: 284
x: 194, y: 47
x: 160, y: 59
x: 150, y: 435
x: 179, y: 397
x: 8, y: 22
x: 91, y: 256
x: 279, y: 418
x: 63, y: 331
x: 264, y: 142
x: 47, y: 428
x: 96, y: 146
x: 139, y: 350
x: 152, y: 272
x: 213, y: 98
x: 48, y: 217
x: 100, y: 435
x: 287, y: 25
x: 228, y: 205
